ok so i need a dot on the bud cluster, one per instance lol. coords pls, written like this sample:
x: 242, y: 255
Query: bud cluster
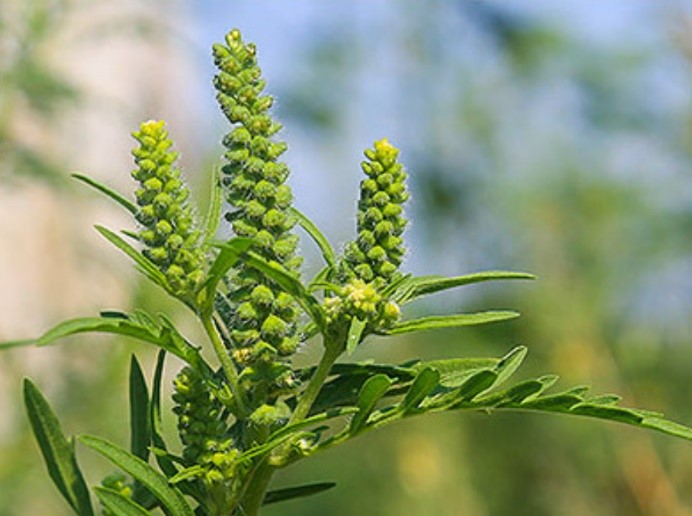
x: 378, y: 250
x: 168, y: 232
x: 262, y: 327
x: 360, y: 300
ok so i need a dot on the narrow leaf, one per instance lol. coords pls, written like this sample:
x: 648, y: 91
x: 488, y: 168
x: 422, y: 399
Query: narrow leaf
x: 455, y: 371
x: 317, y: 236
x: 369, y: 395
x: 148, y: 268
x: 476, y: 384
x: 451, y: 321
x: 166, y: 464
x: 119, y: 504
x: 425, y: 285
x: 425, y: 383
x: 118, y: 326
x: 211, y: 221
x: 170, y: 497
x: 57, y: 452
x: 139, y: 412
x: 117, y: 197
x: 290, y: 493
x: 508, y: 364
x: 668, y: 427
x: 355, y: 333
x: 229, y: 254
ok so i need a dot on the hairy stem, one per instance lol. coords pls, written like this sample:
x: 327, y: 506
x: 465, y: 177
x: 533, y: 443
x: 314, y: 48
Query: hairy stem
x: 331, y: 353
x: 226, y: 363
x: 251, y: 501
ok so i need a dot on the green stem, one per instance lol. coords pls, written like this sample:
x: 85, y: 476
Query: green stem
x: 252, y: 500
x: 226, y: 363
x: 331, y: 353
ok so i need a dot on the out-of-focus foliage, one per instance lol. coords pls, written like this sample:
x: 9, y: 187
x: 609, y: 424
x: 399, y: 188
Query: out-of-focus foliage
x: 552, y: 151
x: 32, y: 90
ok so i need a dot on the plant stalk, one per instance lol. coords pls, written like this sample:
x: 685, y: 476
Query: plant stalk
x: 226, y: 363
x: 251, y: 501
x: 309, y: 396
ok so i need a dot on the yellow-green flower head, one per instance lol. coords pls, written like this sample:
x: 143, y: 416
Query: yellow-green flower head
x: 361, y: 300
x: 168, y: 229
x: 377, y: 252
x: 262, y: 327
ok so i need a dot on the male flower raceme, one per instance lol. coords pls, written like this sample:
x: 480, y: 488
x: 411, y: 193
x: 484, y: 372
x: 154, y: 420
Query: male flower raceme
x: 168, y: 229
x: 262, y: 326
x: 372, y: 260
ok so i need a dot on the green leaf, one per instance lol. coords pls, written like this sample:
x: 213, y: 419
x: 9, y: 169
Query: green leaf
x: 508, y: 364
x: 229, y: 254
x: 211, y: 220
x: 317, y: 236
x: 139, y: 412
x: 166, y: 464
x: 355, y: 332
x: 135, y: 327
x: 117, y: 197
x: 17, y: 343
x: 146, y: 266
x: 170, y: 497
x: 451, y: 321
x: 476, y: 384
x: 290, y: 493
x: 426, y: 382
x: 424, y: 285
x: 369, y: 395
x: 57, y: 452
x: 455, y: 371
x: 119, y: 504
x: 288, y: 282
x: 667, y: 427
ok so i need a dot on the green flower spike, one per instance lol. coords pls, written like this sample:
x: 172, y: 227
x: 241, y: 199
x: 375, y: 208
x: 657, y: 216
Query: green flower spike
x: 372, y: 261
x: 377, y: 252
x: 263, y: 326
x: 203, y: 434
x: 168, y: 232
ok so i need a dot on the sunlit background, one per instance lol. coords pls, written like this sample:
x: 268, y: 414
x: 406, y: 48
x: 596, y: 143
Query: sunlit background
x: 553, y: 137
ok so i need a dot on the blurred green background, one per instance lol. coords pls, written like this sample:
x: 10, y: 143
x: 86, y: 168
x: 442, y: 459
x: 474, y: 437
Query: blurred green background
x: 553, y: 137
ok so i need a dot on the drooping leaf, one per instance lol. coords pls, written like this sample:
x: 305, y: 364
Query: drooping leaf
x: 117, y: 197
x: 368, y: 397
x: 318, y: 237
x: 119, y: 504
x: 451, y: 321
x: 57, y: 451
x: 139, y: 412
x: 291, y: 493
x: 146, y: 266
x: 170, y: 497
x: 355, y: 331
x: 419, y: 286
x: 136, y: 327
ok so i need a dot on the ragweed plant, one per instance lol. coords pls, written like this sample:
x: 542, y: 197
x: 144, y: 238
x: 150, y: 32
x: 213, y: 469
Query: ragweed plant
x: 243, y: 409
